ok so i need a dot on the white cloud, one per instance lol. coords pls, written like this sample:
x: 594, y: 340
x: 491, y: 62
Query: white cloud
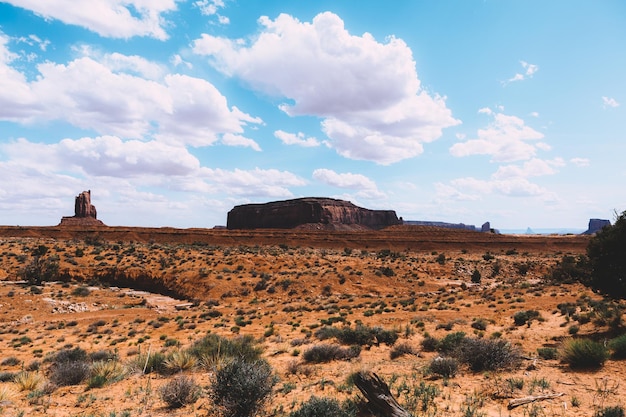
x: 529, y: 71
x: 532, y: 168
x: 126, y: 96
x: 108, y: 18
x: 609, y: 102
x: 580, y: 162
x: 367, y: 92
x: 506, y: 139
x: 365, y: 187
x: 210, y: 8
x: 237, y: 140
x: 299, y: 139
x: 513, y: 187
x: 258, y: 182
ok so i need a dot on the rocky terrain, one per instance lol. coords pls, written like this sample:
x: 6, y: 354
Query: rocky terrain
x: 85, y: 213
x: 133, y: 294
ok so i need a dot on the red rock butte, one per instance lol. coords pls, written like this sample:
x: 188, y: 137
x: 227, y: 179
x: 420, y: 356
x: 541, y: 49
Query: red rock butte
x: 312, y: 213
x: 85, y: 213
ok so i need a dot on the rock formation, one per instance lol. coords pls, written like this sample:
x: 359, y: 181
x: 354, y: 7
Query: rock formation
x: 325, y: 213
x: 85, y: 213
x: 595, y: 225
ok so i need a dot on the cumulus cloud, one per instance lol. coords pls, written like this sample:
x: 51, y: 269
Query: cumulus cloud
x: 108, y: 18
x: 120, y: 95
x: 299, y: 139
x: 505, y: 139
x: 238, y: 140
x: 609, y: 102
x: 368, y: 93
x: 580, y: 162
x: 365, y: 187
x: 257, y: 182
x: 210, y: 8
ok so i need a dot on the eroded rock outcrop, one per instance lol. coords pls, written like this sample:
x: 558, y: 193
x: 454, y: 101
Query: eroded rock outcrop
x: 595, y: 225
x: 85, y: 213
x: 328, y: 212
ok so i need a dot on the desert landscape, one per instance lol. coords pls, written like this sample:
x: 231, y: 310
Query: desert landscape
x: 142, y: 309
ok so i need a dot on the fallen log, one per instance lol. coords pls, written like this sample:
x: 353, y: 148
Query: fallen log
x: 526, y: 400
x: 377, y: 393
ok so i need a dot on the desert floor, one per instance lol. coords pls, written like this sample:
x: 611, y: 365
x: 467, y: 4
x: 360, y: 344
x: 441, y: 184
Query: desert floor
x: 131, y: 292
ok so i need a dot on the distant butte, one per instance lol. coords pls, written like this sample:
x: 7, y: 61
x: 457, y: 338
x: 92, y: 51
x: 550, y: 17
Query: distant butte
x: 310, y: 213
x: 85, y: 213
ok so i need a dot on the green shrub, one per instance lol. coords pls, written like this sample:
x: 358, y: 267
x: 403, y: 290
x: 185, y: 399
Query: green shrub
x: 525, y: 317
x: 241, y: 387
x: 607, y: 260
x: 487, y: 355
x: 584, y: 353
x: 180, y: 391
x: 328, y: 352
x: 212, y: 345
x: 547, y: 353
x: 614, y: 411
x: 618, y: 347
x: 476, y: 276
x: 451, y: 342
x: 444, y: 367
x: 400, y: 350
x: 360, y: 335
x: 321, y: 407
x: 430, y: 343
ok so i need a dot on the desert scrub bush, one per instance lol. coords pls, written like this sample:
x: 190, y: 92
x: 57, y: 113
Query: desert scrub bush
x: 583, y: 353
x: 322, y: 407
x: 444, y: 367
x: 69, y: 373
x: 451, y: 342
x: 241, y: 387
x: 547, y: 353
x: 180, y: 361
x: 359, y: 335
x: 10, y: 361
x: 429, y: 343
x: 328, y: 352
x: 613, y: 411
x: 525, y: 317
x: 487, y: 355
x: 28, y: 381
x: 180, y: 391
x: 607, y: 260
x: 214, y: 346
x: 618, y: 347
x: 401, y: 349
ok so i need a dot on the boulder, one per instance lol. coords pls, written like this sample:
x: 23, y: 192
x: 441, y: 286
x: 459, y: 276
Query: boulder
x: 85, y: 213
x: 329, y: 213
x: 595, y: 225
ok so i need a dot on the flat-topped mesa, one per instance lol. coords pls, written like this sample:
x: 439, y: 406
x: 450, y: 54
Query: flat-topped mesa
x: 328, y: 213
x: 85, y: 213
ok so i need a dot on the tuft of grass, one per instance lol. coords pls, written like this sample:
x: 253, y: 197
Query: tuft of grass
x: 105, y: 372
x: 180, y: 361
x: 28, y: 381
x: 584, y: 353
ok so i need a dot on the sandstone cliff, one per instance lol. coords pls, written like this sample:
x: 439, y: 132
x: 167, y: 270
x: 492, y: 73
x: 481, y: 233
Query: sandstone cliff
x: 327, y: 212
x: 595, y: 225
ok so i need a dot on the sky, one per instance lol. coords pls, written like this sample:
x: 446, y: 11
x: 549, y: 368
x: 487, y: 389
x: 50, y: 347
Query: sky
x: 174, y: 111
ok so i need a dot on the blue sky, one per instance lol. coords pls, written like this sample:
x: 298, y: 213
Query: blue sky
x: 172, y: 112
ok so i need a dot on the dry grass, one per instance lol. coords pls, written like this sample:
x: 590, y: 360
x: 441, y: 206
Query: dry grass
x: 279, y: 296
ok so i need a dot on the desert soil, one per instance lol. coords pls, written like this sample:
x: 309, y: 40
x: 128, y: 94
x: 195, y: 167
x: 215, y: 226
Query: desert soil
x: 150, y: 290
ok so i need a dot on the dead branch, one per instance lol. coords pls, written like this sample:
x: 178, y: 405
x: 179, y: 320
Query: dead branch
x: 526, y: 400
x: 377, y: 393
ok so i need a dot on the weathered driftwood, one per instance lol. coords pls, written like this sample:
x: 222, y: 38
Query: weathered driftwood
x: 377, y: 393
x: 526, y: 400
